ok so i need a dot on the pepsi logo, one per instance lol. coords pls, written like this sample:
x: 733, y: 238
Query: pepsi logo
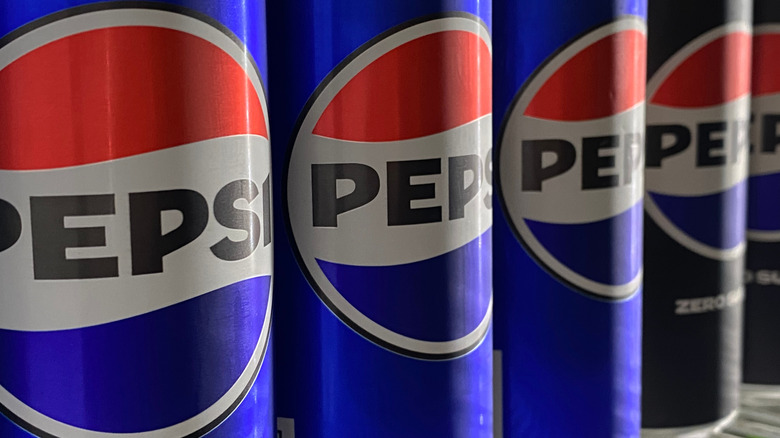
x: 388, y: 188
x: 764, y: 182
x: 698, y: 121
x: 135, y: 232
x: 570, y: 161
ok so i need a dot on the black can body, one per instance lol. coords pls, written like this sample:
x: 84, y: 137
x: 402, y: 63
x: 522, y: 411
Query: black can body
x: 762, y: 276
x: 697, y: 146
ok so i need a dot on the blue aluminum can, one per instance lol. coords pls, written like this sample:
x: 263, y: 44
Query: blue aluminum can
x: 569, y: 99
x: 698, y: 120
x: 135, y: 223
x: 383, y: 129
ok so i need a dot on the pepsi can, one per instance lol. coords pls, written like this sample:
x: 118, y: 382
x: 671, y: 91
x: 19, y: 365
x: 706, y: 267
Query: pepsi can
x: 698, y: 119
x: 383, y: 112
x: 135, y: 222
x: 569, y: 94
x: 761, y: 372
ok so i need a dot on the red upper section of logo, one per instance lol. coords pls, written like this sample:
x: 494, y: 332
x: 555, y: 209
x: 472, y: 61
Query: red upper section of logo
x: 715, y: 74
x: 766, y: 64
x: 117, y: 92
x: 604, y: 79
x: 425, y: 86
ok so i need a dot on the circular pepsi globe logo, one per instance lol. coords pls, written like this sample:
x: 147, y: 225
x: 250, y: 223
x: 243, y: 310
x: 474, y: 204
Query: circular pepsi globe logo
x: 136, y: 276
x: 388, y: 188
x: 763, y: 222
x: 570, y: 161
x: 698, y: 122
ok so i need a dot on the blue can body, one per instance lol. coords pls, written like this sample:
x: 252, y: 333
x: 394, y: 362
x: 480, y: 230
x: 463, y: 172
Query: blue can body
x: 567, y: 349
x: 336, y: 376
x: 174, y: 365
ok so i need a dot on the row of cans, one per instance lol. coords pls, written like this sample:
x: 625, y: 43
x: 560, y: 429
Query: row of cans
x: 148, y: 224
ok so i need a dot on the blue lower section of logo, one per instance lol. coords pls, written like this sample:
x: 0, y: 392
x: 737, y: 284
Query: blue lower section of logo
x: 143, y: 373
x: 417, y: 299
x: 716, y: 220
x: 763, y: 208
x: 607, y: 251
x: 254, y: 418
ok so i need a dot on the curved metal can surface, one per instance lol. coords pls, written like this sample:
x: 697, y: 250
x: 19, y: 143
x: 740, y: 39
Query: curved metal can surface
x: 762, y: 277
x: 135, y: 222
x: 698, y: 119
x: 569, y: 96
x: 383, y: 122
